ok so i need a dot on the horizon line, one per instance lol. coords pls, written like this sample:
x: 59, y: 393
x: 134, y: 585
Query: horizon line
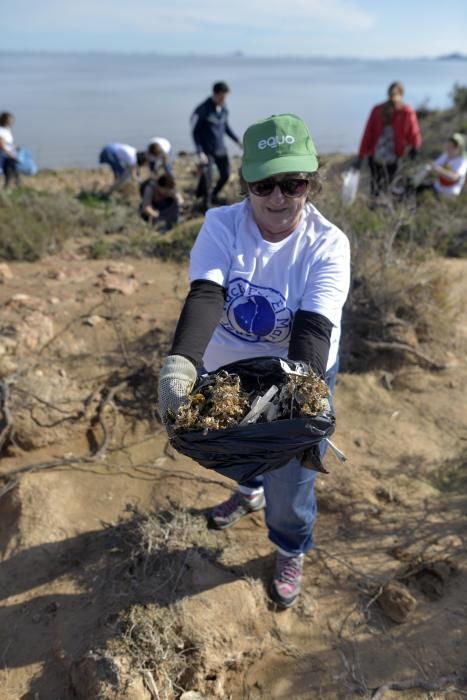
x: 452, y: 55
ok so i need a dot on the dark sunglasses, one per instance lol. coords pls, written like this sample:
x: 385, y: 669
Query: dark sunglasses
x: 290, y: 186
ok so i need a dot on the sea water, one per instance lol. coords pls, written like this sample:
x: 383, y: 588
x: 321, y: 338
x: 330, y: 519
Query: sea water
x: 68, y: 106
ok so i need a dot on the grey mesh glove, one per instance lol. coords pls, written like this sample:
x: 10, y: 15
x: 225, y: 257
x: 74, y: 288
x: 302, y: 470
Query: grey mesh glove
x: 176, y: 380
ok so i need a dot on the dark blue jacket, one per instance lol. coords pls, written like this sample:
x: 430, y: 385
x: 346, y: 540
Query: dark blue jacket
x: 210, y: 126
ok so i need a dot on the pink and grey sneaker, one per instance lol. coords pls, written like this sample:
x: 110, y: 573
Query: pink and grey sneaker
x: 239, y: 504
x: 287, y: 580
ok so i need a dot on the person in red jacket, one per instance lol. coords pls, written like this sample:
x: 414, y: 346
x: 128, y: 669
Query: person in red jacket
x: 391, y: 132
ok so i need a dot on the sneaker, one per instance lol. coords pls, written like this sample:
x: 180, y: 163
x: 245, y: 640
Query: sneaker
x: 239, y: 504
x: 285, y: 587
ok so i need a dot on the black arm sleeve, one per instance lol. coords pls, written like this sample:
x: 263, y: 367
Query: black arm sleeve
x: 310, y: 340
x: 200, y: 315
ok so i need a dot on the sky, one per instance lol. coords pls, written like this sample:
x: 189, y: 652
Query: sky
x: 353, y: 28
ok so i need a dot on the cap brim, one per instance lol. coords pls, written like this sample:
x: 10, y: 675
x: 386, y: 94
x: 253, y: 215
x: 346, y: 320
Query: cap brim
x: 252, y: 172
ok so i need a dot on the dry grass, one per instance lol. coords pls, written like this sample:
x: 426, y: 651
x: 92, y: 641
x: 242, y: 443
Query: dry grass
x: 153, y: 640
x: 220, y: 404
x: 153, y: 636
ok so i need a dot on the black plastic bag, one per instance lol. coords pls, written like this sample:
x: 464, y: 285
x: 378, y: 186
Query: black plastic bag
x: 245, y: 451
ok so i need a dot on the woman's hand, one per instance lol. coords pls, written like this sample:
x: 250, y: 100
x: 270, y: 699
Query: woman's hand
x: 176, y: 379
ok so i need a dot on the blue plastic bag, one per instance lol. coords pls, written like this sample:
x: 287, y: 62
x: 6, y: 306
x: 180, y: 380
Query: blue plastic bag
x: 25, y: 162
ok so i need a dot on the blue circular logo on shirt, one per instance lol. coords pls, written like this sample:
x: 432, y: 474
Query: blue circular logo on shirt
x: 256, y: 314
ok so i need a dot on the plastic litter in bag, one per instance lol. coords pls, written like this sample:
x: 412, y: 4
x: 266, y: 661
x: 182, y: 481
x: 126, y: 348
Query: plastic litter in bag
x: 280, y: 431
x: 350, y: 182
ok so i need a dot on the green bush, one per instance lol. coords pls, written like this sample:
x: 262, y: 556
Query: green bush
x: 147, y: 242
x: 33, y: 224
x: 176, y: 244
x: 459, y: 96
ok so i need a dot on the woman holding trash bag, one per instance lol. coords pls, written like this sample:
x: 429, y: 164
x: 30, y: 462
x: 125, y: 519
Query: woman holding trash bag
x: 269, y: 276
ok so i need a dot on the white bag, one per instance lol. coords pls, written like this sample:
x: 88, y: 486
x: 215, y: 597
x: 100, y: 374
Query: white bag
x: 350, y: 182
x: 420, y: 175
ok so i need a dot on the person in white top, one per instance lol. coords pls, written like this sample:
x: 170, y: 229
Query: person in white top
x: 8, y: 159
x: 159, y: 150
x: 269, y: 276
x: 449, y: 169
x: 124, y: 162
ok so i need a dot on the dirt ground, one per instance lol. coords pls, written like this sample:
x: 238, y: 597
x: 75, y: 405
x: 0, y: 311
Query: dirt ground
x: 70, y: 559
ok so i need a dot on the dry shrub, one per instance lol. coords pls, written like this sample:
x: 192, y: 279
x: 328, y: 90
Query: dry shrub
x: 399, y: 294
x: 153, y: 636
x: 154, y: 642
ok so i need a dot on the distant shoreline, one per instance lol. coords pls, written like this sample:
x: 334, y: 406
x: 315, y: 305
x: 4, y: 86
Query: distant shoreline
x: 234, y: 55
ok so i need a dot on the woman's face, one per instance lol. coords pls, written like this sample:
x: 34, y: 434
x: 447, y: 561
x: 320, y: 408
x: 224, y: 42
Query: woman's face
x: 277, y: 214
x: 452, y: 149
x: 395, y: 97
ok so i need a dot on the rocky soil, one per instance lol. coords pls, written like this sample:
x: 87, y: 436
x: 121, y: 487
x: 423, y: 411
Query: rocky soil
x: 111, y: 584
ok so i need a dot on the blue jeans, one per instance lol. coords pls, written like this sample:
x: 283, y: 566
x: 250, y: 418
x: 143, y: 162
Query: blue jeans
x: 108, y: 157
x: 291, y: 508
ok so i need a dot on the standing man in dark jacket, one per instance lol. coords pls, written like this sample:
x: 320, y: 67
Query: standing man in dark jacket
x: 210, y: 125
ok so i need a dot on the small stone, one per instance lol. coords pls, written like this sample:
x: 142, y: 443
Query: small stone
x: 59, y: 275
x: 26, y: 301
x: 7, y: 366
x: 93, y: 320
x: 192, y: 695
x: 52, y: 608
x: 115, y: 283
x: 120, y: 268
x: 396, y: 601
x: 35, y: 330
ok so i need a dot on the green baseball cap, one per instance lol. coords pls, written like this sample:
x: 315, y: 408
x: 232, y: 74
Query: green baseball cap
x: 279, y: 144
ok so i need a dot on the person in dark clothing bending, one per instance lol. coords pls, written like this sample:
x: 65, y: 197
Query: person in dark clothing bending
x: 210, y: 125
x: 160, y: 202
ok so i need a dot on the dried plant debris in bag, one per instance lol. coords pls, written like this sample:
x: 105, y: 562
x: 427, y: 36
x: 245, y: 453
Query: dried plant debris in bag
x: 217, y: 403
x: 302, y: 395
x: 220, y: 401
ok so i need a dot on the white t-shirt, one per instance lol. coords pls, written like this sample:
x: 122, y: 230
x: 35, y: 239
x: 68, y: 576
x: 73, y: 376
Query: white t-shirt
x: 267, y: 283
x: 457, y: 165
x: 7, y: 137
x: 163, y: 143
x: 125, y: 154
